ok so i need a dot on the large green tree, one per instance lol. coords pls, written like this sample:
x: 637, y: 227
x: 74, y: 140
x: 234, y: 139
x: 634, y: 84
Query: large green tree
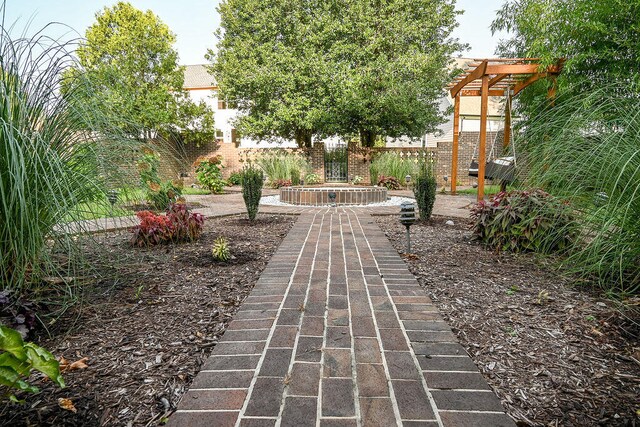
x: 600, y: 41
x: 301, y: 67
x: 131, y: 65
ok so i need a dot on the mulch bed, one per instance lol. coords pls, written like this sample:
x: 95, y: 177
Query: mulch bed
x: 556, y: 355
x: 146, y: 337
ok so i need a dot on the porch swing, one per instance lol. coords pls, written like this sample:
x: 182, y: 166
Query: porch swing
x: 497, y: 168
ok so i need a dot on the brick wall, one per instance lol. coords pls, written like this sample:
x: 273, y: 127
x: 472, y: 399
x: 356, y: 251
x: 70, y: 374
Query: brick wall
x: 183, y: 157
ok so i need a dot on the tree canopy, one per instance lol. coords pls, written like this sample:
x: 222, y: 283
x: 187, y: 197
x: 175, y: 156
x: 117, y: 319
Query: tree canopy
x: 599, y: 40
x: 129, y: 59
x: 301, y: 67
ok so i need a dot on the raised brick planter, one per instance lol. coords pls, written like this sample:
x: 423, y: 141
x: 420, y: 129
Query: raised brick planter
x: 319, y: 196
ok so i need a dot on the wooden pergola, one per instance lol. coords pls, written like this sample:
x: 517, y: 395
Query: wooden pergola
x: 493, y: 77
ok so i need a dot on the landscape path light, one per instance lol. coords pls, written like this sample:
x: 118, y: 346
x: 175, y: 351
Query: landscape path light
x: 408, y: 218
x: 112, y: 197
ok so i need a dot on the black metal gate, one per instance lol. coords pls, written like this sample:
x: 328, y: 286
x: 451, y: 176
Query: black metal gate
x: 336, y: 159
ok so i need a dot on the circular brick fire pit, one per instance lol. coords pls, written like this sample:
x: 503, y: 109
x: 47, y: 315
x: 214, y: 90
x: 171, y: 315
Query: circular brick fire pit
x: 322, y: 196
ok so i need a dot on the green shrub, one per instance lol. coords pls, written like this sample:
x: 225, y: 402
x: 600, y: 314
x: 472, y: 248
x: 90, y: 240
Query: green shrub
x: 390, y: 182
x: 424, y: 190
x: 391, y: 163
x: 295, y: 177
x: 159, y: 194
x: 209, y: 173
x: 235, y: 178
x: 312, y: 178
x: 520, y: 221
x: 357, y: 180
x: 18, y: 359
x: 252, y: 181
x: 220, y: 250
x: 278, y: 164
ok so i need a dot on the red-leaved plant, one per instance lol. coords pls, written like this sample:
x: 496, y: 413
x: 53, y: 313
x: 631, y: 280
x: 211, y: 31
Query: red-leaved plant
x: 179, y: 225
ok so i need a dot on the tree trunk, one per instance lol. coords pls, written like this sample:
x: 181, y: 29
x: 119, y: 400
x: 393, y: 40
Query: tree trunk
x: 303, y: 137
x: 367, y: 138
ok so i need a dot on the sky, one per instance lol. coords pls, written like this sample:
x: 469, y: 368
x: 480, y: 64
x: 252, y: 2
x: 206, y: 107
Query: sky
x: 194, y: 22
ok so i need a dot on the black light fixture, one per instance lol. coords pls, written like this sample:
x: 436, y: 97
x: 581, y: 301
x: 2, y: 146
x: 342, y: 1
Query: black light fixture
x: 112, y: 197
x: 407, y: 218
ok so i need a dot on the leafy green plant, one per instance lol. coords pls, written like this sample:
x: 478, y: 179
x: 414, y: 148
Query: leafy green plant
x: 209, y: 173
x: 424, y: 190
x: 357, y: 180
x: 220, y: 250
x: 235, y: 178
x: 520, y: 221
x: 390, y: 182
x: 18, y: 359
x: 160, y: 194
x: 312, y: 178
x: 252, y: 181
x: 391, y: 163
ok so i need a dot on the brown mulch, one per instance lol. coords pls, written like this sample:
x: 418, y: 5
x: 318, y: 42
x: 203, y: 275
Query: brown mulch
x: 146, y: 337
x: 556, y: 355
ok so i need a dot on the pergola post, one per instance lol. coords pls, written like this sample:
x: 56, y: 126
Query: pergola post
x: 506, y: 136
x: 456, y: 136
x: 482, y: 150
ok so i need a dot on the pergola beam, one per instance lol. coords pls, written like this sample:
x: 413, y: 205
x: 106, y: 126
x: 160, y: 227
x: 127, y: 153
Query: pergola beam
x: 477, y: 73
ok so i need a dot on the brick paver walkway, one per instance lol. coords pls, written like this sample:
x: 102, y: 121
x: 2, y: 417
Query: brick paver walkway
x: 337, y: 332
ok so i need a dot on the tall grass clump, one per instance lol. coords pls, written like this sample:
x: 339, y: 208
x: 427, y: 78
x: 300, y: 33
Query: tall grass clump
x: 282, y: 165
x: 586, y: 149
x: 391, y: 163
x: 252, y: 181
x: 56, y: 154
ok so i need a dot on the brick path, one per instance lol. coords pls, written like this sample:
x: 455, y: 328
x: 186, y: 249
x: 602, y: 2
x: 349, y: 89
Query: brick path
x: 337, y: 332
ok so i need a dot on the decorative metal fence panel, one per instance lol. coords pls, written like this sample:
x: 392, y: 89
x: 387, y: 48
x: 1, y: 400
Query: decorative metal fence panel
x: 336, y: 160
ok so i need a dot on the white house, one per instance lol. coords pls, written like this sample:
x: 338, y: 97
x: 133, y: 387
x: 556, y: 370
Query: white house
x: 201, y: 85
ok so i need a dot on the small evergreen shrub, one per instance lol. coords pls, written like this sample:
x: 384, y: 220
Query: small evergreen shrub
x: 209, y: 173
x: 220, y: 250
x: 252, y: 181
x: 520, y: 221
x: 424, y: 190
x: 390, y: 182
x: 18, y: 359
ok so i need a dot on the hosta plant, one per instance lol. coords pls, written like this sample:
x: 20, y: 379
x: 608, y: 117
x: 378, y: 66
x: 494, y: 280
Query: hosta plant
x: 519, y: 221
x: 18, y: 359
x: 312, y: 178
x: 220, y: 250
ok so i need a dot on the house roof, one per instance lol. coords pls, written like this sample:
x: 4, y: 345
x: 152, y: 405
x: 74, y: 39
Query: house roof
x: 198, y: 77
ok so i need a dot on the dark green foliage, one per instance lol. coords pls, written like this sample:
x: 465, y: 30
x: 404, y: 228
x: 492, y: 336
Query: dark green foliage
x: 520, y: 221
x: 235, y: 178
x: 159, y: 193
x: 252, y: 181
x: 424, y: 190
x: 295, y: 177
x: 390, y: 182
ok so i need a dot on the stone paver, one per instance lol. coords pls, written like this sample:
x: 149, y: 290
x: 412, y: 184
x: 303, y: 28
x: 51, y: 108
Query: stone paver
x: 337, y: 332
